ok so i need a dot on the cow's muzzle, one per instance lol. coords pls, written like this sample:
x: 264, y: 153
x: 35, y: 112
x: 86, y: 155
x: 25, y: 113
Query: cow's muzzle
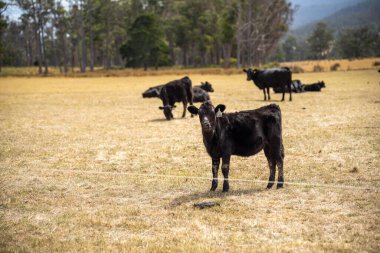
x: 206, y: 125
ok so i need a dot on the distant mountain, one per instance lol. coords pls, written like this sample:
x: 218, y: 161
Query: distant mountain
x: 362, y: 14
x: 311, y: 10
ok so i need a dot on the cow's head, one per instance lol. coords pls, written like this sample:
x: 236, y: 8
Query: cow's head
x: 208, y: 115
x: 322, y: 84
x: 250, y: 73
x: 167, y: 111
x: 152, y: 92
x: 207, y: 87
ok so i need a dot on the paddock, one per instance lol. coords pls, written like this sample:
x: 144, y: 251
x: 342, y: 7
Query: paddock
x: 87, y: 164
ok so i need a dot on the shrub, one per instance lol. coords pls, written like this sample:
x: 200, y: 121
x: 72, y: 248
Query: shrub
x: 318, y: 68
x: 270, y: 65
x: 296, y: 69
x: 232, y: 62
x: 335, y: 67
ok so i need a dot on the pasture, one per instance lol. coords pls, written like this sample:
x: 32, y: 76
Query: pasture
x: 59, y: 134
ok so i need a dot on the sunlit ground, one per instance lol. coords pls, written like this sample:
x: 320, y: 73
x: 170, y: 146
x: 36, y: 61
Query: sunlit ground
x: 52, y: 128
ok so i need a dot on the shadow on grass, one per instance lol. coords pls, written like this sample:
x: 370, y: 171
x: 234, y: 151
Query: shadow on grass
x: 211, y: 195
x: 269, y: 101
x: 165, y: 120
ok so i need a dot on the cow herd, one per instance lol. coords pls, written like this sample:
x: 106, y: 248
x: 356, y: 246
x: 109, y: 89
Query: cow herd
x: 243, y: 133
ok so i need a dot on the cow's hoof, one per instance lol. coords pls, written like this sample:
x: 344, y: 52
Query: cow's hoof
x: 280, y: 185
x: 213, y: 188
x: 269, y: 185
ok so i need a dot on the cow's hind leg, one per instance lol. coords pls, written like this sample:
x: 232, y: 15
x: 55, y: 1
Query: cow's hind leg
x: 272, y: 167
x: 268, y: 93
x: 280, y: 166
x: 225, y: 171
x: 290, y: 91
x: 265, y: 95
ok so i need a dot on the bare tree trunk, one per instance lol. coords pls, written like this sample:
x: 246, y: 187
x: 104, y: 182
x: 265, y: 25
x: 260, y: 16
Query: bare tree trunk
x: 42, y: 38
x: 64, y: 49
x: 92, y: 50
x: 82, y: 39
x: 249, y: 44
x: 238, y: 36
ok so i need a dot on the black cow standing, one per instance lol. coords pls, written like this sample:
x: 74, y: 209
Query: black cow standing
x: 176, y: 91
x: 200, y: 92
x: 242, y: 133
x: 277, y: 77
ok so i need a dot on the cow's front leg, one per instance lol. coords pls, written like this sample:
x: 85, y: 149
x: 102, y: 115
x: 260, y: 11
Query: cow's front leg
x: 265, y: 95
x: 215, y: 168
x: 268, y: 93
x: 225, y: 171
x: 184, y: 108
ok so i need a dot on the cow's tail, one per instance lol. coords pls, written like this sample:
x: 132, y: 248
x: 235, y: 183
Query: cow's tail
x: 189, y: 89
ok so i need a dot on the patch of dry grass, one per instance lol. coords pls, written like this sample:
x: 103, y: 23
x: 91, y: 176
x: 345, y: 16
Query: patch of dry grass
x: 103, y: 124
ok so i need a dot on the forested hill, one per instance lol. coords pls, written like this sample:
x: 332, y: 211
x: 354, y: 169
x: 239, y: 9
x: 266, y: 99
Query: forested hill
x: 362, y: 14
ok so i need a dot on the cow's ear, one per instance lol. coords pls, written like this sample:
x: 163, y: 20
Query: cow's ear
x: 245, y: 70
x: 255, y: 70
x: 161, y: 107
x: 193, y: 110
x: 220, y: 107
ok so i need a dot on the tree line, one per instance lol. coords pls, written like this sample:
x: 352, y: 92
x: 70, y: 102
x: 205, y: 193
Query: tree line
x: 325, y: 43
x: 142, y: 33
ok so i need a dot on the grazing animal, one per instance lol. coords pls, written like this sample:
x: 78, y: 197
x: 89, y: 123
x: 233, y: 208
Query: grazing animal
x: 201, y: 92
x: 314, y: 86
x: 152, y: 92
x: 296, y: 87
x: 277, y: 77
x: 176, y: 91
x: 243, y: 133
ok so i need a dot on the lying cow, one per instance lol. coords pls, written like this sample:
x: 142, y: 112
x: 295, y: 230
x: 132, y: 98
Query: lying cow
x: 176, y: 91
x: 152, y: 92
x: 201, y: 92
x: 296, y: 87
x: 314, y: 86
x: 277, y: 77
x: 243, y: 133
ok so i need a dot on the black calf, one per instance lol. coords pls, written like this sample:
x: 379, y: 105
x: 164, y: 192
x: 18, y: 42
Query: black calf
x: 242, y: 133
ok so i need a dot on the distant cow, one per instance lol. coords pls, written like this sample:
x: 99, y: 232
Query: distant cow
x: 176, y: 91
x: 243, y: 133
x: 152, y: 92
x: 314, y: 86
x: 201, y: 92
x: 296, y: 87
x: 277, y: 77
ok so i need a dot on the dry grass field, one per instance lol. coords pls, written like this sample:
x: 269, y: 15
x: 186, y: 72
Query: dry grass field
x: 56, y: 133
